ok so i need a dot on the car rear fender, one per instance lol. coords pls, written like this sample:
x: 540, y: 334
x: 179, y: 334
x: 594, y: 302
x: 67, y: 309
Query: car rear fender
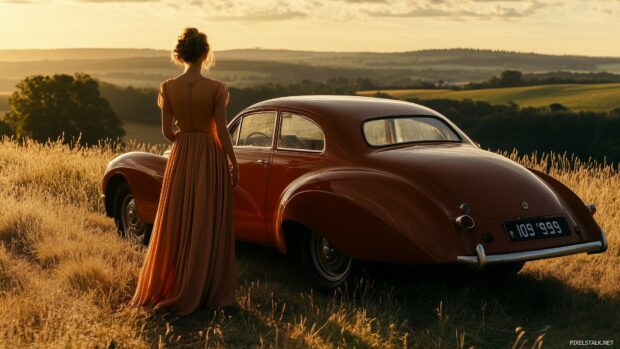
x: 590, y: 230
x: 371, y: 215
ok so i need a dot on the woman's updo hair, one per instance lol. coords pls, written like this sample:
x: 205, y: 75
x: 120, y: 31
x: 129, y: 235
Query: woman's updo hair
x: 191, y: 46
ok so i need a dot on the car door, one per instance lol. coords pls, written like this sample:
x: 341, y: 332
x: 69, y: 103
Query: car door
x: 252, y: 140
x: 299, y: 149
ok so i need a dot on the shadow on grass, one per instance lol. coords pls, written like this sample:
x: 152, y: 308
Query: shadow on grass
x: 430, y: 304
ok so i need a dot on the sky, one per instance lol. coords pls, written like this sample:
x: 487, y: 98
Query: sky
x: 582, y: 27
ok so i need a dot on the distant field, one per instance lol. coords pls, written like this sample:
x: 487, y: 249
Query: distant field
x: 250, y: 67
x: 578, y: 97
x: 144, y: 133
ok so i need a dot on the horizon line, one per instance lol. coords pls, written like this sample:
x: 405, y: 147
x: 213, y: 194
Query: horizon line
x: 316, y: 51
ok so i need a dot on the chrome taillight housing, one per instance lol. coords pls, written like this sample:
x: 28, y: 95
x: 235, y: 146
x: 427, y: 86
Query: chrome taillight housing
x: 465, y: 221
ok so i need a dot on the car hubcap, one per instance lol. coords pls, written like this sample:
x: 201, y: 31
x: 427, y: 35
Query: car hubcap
x: 329, y: 262
x: 133, y: 227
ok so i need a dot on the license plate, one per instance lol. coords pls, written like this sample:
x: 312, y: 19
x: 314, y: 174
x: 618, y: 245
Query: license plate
x: 537, y: 228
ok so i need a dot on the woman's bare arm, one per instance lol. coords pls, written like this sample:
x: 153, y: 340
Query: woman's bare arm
x: 222, y: 131
x: 167, y: 118
x: 167, y: 122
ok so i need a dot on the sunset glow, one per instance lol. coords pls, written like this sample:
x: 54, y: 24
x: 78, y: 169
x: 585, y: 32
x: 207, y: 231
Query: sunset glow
x: 556, y: 27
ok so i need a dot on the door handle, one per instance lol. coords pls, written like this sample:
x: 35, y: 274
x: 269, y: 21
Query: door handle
x: 262, y: 162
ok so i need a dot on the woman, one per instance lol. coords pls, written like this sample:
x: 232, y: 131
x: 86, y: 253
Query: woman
x: 190, y: 261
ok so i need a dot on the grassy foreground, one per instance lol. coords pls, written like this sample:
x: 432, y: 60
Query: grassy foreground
x: 578, y: 97
x: 65, y: 278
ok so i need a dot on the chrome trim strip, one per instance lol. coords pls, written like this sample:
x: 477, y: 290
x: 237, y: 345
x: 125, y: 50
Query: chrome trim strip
x: 483, y: 259
x: 303, y: 150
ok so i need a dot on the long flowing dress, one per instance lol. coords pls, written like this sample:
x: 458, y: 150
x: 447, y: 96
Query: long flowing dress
x: 190, y: 261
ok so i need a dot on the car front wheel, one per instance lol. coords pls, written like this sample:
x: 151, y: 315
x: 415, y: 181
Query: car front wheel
x: 128, y: 224
x: 327, y: 267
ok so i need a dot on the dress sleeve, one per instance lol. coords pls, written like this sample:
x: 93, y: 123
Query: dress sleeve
x: 162, y: 99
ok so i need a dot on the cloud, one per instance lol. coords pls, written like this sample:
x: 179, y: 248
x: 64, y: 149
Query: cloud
x: 367, y: 1
x: 424, y: 12
x: 218, y: 5
x: 483, y: 9
x: 107, y: 1
x: 260, y: 16
x: 28, y: 2
x: 266, y: 12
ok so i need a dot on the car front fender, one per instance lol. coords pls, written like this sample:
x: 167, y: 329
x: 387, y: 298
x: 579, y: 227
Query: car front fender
x: 143, y: 172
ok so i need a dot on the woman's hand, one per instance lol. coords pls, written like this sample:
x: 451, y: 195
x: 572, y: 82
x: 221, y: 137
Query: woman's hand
x: 234, y: 173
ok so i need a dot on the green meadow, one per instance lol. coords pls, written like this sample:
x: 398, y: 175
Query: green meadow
x: 577, y: 97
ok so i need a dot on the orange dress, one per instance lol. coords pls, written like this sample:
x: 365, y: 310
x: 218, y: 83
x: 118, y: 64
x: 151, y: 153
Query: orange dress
x: 190, y: 261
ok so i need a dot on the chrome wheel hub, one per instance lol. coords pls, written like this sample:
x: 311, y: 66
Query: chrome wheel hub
x: 329, y: 262
x: 133, y: 226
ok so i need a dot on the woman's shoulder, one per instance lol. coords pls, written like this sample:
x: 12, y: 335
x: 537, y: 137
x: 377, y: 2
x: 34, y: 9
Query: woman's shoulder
x: 218, y: 83
x: 165, y: 83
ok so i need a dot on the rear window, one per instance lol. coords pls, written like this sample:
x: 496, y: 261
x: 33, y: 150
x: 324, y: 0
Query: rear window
x: 407, y: 129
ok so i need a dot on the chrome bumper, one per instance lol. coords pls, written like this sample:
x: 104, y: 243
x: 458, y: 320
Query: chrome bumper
x: 482, y: 259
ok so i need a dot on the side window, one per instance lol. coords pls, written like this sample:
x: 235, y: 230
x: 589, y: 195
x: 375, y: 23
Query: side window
x: 300, y: 133
x: 376, y: 132
x: 257, y: 130
x: 234, y: 133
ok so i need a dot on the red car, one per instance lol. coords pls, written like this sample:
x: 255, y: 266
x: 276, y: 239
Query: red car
x: 341, y: 178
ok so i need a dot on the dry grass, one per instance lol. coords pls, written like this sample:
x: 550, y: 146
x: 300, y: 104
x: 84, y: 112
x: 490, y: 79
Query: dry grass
x: 65, y: 278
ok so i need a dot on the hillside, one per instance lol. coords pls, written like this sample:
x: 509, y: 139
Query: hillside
x: 577, y: 97
x: 434, y: 59
x: 420, y: 59
x: 30, y: 55
x: 66, y: 278
x: 248, y: 67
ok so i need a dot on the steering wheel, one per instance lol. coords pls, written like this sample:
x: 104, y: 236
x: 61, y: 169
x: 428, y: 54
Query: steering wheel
x: 256, y: 133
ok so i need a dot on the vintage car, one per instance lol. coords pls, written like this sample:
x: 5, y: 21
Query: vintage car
x: 343, y: 178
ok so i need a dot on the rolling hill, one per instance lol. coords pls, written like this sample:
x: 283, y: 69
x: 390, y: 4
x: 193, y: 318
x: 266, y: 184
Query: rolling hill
x: 577, y: 97
x: 248, y: 67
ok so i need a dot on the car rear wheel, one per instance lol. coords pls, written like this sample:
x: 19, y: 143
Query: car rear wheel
x: 327, y: 267
x: 128, y: 224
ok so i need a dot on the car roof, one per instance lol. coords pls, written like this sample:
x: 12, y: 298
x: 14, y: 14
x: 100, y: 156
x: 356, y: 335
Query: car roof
x: 359, y: 107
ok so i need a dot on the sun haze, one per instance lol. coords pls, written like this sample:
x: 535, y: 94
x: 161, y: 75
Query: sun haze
x: 556, y: 27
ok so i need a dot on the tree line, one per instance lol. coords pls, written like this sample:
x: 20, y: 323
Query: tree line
x: 514, y: 78
x: 541, y: 129
x: 503, y: 127
x: 138, y: 104
x: 46, y: 106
